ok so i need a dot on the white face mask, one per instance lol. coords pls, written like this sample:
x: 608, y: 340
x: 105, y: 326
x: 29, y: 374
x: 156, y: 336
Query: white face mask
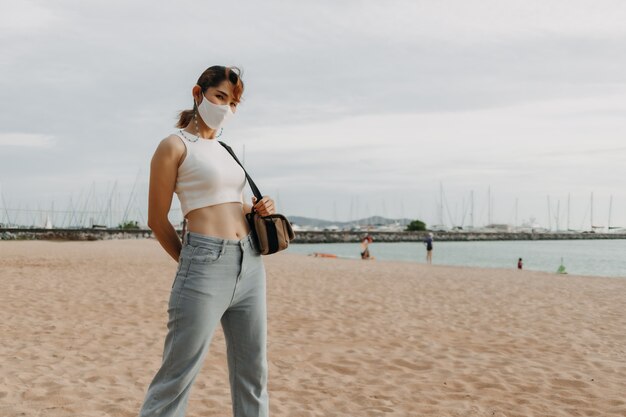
x: 213, y: 115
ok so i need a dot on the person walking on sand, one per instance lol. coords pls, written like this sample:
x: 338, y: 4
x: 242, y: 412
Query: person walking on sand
x: 429, y: 248
x: 520, y: 264
x: 365, y: 251
x: 220, y: 276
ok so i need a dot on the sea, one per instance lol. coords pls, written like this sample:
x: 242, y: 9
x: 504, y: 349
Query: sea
x: 580, y: 257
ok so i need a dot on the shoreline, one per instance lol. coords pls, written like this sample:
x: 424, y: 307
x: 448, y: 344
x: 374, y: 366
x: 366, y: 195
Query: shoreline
x: 377, y: 260
x: 540, y: 256
x: 470, y: 267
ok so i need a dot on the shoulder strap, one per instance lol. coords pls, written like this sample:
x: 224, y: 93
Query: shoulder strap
x: 253, y: 186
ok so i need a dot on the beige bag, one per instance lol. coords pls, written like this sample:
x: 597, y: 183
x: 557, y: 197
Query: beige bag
x: 272, y: 233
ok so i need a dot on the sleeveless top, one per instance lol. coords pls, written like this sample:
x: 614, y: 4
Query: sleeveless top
x: 209, y: 175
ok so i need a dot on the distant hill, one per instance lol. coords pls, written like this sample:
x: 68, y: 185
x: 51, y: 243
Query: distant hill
x: 372, y: 221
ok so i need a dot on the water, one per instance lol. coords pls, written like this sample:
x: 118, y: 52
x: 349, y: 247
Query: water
x: 580, y: 257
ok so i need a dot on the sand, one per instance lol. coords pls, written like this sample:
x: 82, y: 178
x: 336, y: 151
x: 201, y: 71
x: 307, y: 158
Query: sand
x: 84, y: 323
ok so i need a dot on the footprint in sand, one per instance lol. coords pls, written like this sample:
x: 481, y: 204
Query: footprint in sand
x: 568, y: 383
x: 413, y: 366
x: 336, y: 368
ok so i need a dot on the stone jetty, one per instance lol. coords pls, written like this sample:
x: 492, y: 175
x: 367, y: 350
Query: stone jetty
x: 307, y: 236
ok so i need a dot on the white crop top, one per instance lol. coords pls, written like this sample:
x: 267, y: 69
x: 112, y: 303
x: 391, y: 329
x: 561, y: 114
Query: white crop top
x: 209, y: 175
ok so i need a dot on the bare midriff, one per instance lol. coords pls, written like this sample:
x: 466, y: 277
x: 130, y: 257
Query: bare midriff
x: 226, y: 220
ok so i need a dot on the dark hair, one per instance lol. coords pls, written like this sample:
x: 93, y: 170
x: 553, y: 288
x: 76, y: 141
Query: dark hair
x: 212, y: 77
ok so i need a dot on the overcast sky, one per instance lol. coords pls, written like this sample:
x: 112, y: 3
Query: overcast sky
x: 351, y: 108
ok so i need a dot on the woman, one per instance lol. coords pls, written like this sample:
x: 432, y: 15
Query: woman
x: 220, y: 275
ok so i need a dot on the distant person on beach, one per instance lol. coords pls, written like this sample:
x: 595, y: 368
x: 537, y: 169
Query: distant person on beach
x: 220, y: 276
x: 365, y: 251
x: 520, y: 264
x: 429, y: 248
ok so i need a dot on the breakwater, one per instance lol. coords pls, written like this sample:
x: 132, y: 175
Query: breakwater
x: 306, y: 237
x: 73, y: 234
x: 338, y: 237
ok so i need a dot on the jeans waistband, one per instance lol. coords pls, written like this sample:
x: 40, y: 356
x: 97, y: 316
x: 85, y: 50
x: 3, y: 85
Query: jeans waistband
x: 197, y: 239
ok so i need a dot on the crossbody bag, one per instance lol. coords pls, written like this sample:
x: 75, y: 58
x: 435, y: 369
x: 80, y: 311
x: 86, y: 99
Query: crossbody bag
x: 272, y: 233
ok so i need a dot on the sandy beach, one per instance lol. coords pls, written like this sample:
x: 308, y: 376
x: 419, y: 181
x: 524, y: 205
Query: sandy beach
x: 84, y: 323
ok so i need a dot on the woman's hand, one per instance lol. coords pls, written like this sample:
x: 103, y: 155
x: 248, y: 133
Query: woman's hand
x: 265, y: 207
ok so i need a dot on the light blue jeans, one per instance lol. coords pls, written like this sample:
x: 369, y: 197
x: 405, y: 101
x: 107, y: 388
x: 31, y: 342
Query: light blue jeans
x: 216, y: 280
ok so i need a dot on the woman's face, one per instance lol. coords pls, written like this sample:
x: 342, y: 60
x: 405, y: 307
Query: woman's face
x: 222, y: 94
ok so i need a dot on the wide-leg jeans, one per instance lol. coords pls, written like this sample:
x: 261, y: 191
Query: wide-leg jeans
x: 217, y: 280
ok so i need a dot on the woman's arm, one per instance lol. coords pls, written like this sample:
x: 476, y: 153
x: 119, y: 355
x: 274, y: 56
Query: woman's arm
x: 163, y: 172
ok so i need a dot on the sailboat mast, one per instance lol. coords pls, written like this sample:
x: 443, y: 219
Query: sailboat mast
x: 472, y: 211
x: 549, y: 215
x: 608, y: 227
x: 489, y: 205
x: 568, y: 209
x: 440, y: 203
x: 591, y: 217
x: 4, y: 205
x: 558, y: 215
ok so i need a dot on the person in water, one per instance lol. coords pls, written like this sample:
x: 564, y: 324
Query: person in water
x: 220, y: 278
x: 365, y: 251
x: 429, y: 248
x: 520, y: 264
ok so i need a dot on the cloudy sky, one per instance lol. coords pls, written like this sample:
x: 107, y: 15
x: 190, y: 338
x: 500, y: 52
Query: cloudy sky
x: 351, y: 108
